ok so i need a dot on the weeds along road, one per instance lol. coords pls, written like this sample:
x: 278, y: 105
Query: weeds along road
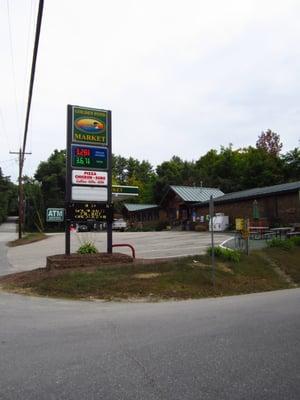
x: 241, y: 347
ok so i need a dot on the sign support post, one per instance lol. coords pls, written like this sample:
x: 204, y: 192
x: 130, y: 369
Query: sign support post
x: 211, y: 212
x: 109, y: 187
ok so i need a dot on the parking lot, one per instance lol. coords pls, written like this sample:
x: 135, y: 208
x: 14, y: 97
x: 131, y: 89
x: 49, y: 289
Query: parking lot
x: 148, y: 245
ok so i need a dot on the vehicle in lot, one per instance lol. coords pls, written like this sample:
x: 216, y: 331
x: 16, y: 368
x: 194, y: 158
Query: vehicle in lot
x: 83, y: 228
x: 119, y: 225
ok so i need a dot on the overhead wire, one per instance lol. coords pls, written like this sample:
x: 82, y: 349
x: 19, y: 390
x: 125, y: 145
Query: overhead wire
x: 4, y: 131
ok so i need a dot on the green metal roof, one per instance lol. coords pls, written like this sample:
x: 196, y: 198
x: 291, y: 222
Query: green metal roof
x: 139, y: 207
x: 195, y: 194
x: 259, y: 192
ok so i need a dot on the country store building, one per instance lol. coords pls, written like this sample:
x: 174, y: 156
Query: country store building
x: 184, y: 206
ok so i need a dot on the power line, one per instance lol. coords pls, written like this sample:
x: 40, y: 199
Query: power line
x: 4, y: 127
x: 32, y: 75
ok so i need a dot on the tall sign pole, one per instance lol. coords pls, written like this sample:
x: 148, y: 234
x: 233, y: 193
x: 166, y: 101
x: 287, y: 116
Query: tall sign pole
x: 89, y: 169
x: 68, y: 181
x: 109, y: 188
x: 211, y: 212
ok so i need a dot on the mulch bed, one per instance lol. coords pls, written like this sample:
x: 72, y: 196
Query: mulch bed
x: 62, y: 261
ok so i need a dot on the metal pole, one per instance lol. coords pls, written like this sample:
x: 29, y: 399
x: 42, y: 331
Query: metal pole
x: 211, y: 212
x: 20, y: 196
x: 68, y: 180
x: 109, y: 187
x: 68, y: 238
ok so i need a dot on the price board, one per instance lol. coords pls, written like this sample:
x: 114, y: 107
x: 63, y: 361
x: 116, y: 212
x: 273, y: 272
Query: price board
x: 88, y: 211
x: 89, y: 168
x: 89, y: 157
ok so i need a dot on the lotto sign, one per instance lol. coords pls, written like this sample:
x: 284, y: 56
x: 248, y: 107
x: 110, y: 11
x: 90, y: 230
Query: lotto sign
x: 89, y: 125
x: 89, y: 157
x: 92, y: 178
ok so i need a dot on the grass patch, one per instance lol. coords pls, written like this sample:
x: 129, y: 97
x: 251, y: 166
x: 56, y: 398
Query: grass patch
x: 287, y: 261
x: 185, y: 278
x: 29, y: 238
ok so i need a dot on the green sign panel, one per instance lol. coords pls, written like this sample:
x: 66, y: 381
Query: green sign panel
x: 89, y: 125
x: 55, y: 214
x: 128, y: 190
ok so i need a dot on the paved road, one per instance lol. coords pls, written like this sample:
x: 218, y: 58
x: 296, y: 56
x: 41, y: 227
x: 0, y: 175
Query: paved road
x: 244, y: 347
x: 7, y: 232
x: 147, y: 245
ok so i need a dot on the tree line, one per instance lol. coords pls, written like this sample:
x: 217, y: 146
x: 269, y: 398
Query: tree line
x: 227, y: 168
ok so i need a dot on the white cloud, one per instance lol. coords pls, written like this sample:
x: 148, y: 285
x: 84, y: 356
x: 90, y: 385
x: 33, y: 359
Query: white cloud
x: 180, y: 78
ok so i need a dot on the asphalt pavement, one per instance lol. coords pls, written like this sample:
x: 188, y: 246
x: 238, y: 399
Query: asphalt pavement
x: 241, y: 347
x: 7, y: 232
x: 148, y: 245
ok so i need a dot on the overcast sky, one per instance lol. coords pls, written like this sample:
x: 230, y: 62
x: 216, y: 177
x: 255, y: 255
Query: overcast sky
x: 181, y: 77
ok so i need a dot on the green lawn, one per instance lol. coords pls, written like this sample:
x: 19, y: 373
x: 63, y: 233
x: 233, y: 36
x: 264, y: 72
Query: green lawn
x: 186, y: 278
x: 28, y: 238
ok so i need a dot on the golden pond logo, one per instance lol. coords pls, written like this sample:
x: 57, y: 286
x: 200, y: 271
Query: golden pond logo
x: 89, y: 125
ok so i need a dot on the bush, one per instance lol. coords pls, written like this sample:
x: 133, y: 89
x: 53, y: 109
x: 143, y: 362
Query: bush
x: 282, y: 243
x: 296, y: 240
x: 87, y: 248
x: 161, y: 225
x: 226, y: 254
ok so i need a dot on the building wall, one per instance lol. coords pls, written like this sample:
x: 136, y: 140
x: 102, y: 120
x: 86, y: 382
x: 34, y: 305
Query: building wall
x: 176, y: 210
x: 282, y: 209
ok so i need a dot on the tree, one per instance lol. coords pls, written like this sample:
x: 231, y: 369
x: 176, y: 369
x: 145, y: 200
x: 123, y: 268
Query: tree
x: 34, y: 205
x: 270, y: 142
x: 173, y: 172
x: 292, y: 164
x: 52, y: 176
x: 8, y: 197
x: 132, y: 172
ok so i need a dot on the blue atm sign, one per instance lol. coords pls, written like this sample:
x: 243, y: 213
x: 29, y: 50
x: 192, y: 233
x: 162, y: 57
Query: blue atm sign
x: 89, y: 157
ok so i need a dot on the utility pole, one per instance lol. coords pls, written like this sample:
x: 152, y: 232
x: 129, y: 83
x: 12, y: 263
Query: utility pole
x: 21, y: 190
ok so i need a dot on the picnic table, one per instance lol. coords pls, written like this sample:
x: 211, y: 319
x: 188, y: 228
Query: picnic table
x: 282, y: 231
x: 257, y: 232
x: 292, y: 234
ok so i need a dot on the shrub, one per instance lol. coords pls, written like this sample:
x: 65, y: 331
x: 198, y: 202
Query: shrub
x: 296, y: 240
x: 87, y: 248
x: 226, y: 254
x: 282, y: 243
x: 161, y: 225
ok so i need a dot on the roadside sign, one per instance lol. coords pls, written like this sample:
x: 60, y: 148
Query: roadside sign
x: 89, y: 167
x: 91, y: 178
x: 55, y: 214
x: 127, y: 190
x: 239, y: 224
x: 89, y: 125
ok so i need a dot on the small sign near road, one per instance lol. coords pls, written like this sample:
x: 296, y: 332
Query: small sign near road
x: 55, y: 214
